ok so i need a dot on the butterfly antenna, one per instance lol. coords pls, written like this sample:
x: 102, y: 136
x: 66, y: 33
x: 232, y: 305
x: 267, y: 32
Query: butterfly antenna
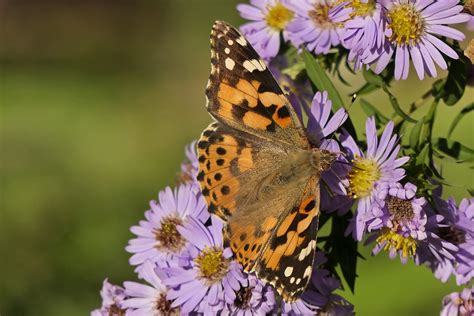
x: 354, y: 98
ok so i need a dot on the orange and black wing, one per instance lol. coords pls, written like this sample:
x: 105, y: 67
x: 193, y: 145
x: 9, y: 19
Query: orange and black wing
x: 245, y: 163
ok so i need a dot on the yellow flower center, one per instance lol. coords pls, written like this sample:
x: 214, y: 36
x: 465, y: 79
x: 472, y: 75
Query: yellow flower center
x: 362, y: 177
x: 362, y: 9
x: 395, y: 241
x: 406, y: 23
x: 320, y: 15
x: 278, y: 17
x: 212, y: 264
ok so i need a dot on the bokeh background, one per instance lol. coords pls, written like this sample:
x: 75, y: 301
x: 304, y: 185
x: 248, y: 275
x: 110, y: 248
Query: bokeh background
x: 98, y: 100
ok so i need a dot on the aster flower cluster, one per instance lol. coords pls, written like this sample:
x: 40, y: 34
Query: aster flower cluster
x: 384, y: 189
x: 184, y: 267
x: 372, y: 32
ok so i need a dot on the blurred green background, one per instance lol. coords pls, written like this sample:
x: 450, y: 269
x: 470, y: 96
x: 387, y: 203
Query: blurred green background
x: 98, y: 100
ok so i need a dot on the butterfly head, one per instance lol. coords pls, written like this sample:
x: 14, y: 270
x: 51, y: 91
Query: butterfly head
x: 322, y: 159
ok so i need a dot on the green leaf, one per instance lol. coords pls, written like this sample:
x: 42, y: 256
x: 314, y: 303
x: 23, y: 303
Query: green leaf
x: 319, y: 78
x: 415, y: 134
x: 365, y: 89
x: 454, y: 150
x: 371, y: 110
x: 456, y: 80
x: 423, y: 155
x: 398, y: 109
x: 372, y: 78
x: 458, y: 118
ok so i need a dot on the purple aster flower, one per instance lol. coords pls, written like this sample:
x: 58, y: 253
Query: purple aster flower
x: 459, y: 304
x: 269, y: 18
x: 364, y: 34
x: 253, y: 298
x: 158, y: 238
x: 318, y: 24
x: 319, y: 297
x: 411, y: 34
x: 458, y: 229
x: 149, y: 299
x: 212, y: 278
x: 112, y: 300
x: 189, y: 167
x: 379, y: 165
x: 401, y: 218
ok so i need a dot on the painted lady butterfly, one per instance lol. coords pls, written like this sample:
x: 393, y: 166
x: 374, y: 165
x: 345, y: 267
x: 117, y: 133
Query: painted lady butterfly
x: 257, y: 168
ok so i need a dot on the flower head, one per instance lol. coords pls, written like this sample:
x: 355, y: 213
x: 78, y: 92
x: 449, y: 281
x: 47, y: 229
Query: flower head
x: 318, y: 25
x: 412, y: 27
x: 364, y: 33
x: 402, y: 219
x: 371, y: 170
x: 149, y: 299
x: 459, y: 303
x: 268, y: 19
x: 212, y: 277
x: 158, y: 238
x: 112, y: 300
x: 253, y: 298
x: 457, y: 228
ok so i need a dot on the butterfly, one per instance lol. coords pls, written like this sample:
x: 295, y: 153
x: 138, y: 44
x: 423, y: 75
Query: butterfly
x: 258, y: 170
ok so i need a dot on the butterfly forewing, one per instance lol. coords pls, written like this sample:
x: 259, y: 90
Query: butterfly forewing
x: 243, y: 93
x: 255, y: 167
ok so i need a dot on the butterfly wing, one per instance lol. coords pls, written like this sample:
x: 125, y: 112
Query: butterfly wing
x: 242, y: 92
x: 271, y: 220
x: 254, y: 167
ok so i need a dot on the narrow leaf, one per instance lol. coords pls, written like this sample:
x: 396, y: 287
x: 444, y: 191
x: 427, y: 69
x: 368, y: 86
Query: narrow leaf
x: 372, y: 78
x: 455, y: 149
x: 318, y: 76
x: 415, y: 134
x: 366, y: 89
x: 397, y: 108
x: 456, y: 80
x: 458, y: 118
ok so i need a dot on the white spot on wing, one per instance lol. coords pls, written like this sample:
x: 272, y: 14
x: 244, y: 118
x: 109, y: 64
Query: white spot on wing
x: 292, y: 280
x: 230, y: 42
x: 254, y: 64
x: 227, y: 50
x: 307, y: 272
x: 298, y: 281
x: 288, y: 271
x: 242, y: 41
x: 229, y: 63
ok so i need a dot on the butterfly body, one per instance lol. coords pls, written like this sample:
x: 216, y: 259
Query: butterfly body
x: 257, y: 168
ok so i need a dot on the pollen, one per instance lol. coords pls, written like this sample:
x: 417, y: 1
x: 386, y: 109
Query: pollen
x: 363, y: 9
x: 168, y: 236
x: 278, y: 17
x: 212, y: 264
x: 406, y: 24
x: 365, y: 172
x: 397, y: 242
